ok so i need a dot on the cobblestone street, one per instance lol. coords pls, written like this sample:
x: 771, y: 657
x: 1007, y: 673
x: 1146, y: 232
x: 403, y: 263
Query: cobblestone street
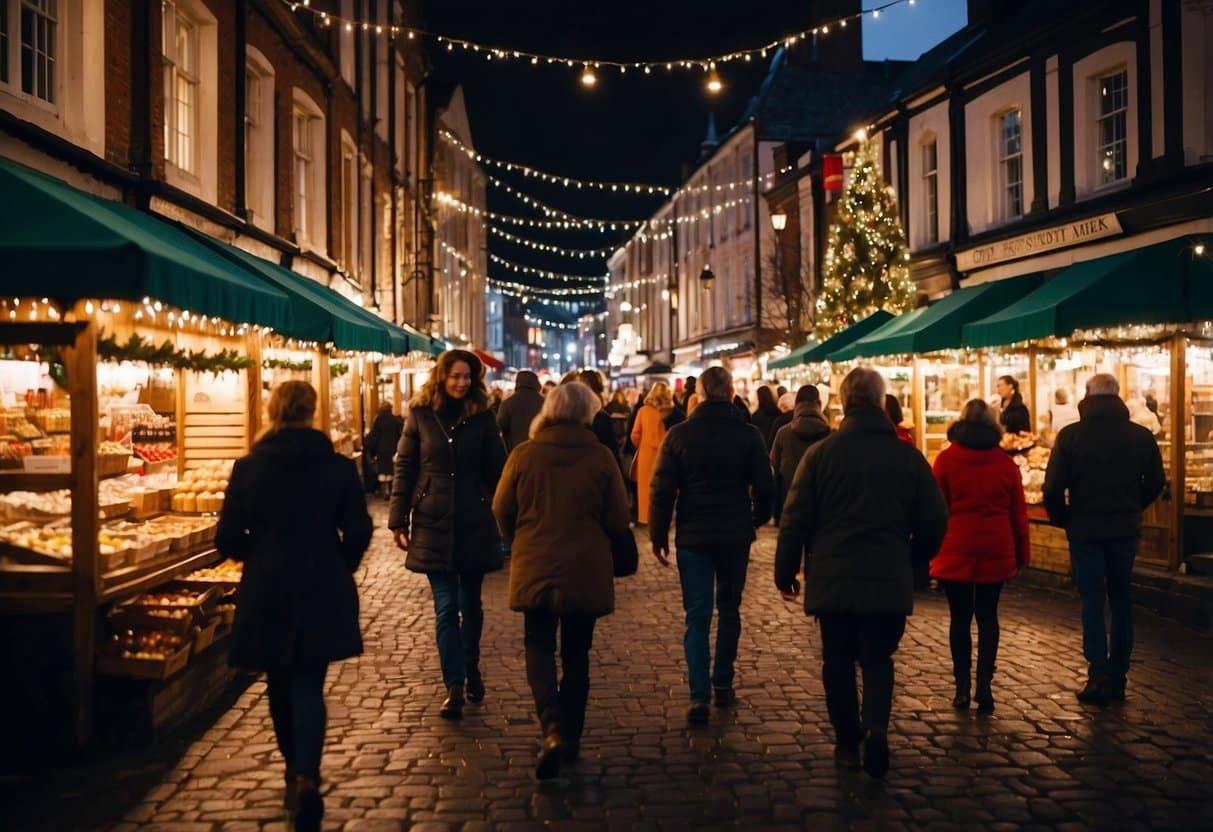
x: 1041, y: 761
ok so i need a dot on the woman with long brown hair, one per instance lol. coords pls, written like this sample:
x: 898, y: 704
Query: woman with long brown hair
x: 447, y: 466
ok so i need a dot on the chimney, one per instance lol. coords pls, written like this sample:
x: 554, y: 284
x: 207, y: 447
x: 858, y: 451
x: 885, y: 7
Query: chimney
x: 841, y: 49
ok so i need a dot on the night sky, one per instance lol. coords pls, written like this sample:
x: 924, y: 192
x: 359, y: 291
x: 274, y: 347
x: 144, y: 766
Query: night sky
x: 630, y: 127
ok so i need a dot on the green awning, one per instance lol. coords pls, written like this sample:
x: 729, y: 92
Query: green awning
x: 1199, y: 274
x: 57, y: 241
x: 819, y: 352
x: 792, y: 359
x: 939, y: 326
x: 1142, y: 286
x: 318, y: 313
x: 426, y: 343
x: 889, y: 328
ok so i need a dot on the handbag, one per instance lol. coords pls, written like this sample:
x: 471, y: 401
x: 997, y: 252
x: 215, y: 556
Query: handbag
x: 625, y: 554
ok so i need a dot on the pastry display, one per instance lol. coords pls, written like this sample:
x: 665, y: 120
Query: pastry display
x: 53, y: 419
x: 228, y: 572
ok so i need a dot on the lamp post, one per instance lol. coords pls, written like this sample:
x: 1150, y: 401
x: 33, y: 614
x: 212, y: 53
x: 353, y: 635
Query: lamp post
x: 779, y: 221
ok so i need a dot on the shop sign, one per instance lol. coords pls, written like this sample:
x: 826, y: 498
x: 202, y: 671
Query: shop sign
x: 1038, y: 242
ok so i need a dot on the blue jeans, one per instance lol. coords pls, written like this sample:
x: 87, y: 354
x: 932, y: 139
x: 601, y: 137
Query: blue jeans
x: 298, y: 713
x: 701, y: 572
x: 458, y: 619
x: 1104, y: 569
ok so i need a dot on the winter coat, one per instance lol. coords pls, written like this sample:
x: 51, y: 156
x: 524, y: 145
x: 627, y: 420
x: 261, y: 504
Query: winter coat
x: 862, y: 510
x: 296, y: 516
x: 782, y: 419
x: 381, y: 442
x: 714, y: 466
x: 604, y: 429
x: 1014, y: 416
x: 647, y: 433
x: 763, y: 419
x: 806, y: 428
x: 1112, y: 469
x: 559, y: 503
x: 987, y: 539
x: 518, y: 411
x: 442, y: 492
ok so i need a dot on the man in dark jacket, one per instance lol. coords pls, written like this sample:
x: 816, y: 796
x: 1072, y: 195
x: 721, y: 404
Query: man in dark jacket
x: 1112, y: 471
x: 716, y: 466
x: 520, y: 409
x: 806, y: 427
x: 863, y: 508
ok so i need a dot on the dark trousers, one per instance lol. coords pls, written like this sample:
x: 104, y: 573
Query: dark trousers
x: 458, y: 621
x: 560, y: 705
x: 1103, y: 572
x: 869, y: 640
x: 298, y: 713
x: 704, y: 574
x: 964, y: 602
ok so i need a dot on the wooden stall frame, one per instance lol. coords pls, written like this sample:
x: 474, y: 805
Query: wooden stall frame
x: 1179, y: 433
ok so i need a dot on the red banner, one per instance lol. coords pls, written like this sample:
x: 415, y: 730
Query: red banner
x: 831, y: 172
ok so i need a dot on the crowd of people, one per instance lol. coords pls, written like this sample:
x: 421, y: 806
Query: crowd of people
x: 553, y: 479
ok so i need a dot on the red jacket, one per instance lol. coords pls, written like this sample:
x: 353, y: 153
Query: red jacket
x: 987, y: 539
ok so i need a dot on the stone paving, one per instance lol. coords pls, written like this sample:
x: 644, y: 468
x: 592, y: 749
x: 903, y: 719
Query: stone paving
x: 1041, y: 761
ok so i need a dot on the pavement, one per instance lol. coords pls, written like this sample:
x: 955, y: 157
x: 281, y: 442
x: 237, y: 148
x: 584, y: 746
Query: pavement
x: 1041, y: 761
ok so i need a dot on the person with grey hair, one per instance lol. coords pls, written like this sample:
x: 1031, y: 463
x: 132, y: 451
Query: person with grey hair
x: 863, y: 509
x: 560, y: 503
x: 714, y: 467
x: 1103, y: 473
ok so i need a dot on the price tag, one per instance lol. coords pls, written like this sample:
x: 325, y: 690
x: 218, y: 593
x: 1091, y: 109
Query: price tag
x: 48, y: 464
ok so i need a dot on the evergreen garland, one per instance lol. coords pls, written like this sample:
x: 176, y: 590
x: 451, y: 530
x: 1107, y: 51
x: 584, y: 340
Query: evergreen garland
x: 304, y: 366
x: 137, y: 348
x: 867, y: 259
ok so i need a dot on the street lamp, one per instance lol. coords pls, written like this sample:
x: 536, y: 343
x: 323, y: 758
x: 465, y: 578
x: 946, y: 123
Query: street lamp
x: 707, y: 275
x: 779, y: 221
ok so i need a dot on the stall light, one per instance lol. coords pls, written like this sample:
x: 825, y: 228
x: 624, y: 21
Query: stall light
x: 88, y: 307
x: 1199, y: 250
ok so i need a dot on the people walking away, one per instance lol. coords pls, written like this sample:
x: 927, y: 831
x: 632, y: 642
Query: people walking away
x: 743, y: 408
x: 447, y: 467
x: 985, y: 546
x: 765, y: 414
x: 862, y: 509
x: 647, y: 433
x: 601, y: 425
x: 892, y: 409
x: 520, y: 409
x: 807, y: 427
x: 560, y: 503
x: 713, y: 468
x: 1111, y: 470
x: 381, y: 444
x: 1014, y: 415
x: 1062, y: 414
x: 295, y: 514
x: 787, y: 404
x: 619, y: 411
x: 692, y: 395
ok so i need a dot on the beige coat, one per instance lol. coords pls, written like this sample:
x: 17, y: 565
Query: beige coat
x: 559, y: 502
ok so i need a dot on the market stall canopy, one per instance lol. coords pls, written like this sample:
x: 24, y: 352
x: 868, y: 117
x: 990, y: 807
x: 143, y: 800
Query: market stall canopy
x: 488, y: 359
x: 792, y: 359
x: 889, y: 328
x: 318, y: 313
x: 939, y: 326
x: 1199, y: 275
x: 820, y: 352
x: 1142, y: 286
x: 57, y: 241
x: 427, y: 344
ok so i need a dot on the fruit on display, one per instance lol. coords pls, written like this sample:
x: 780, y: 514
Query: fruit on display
x: 111, y: 448
x: 145, y: 644
x: 53, y: 419
x: 159, y: 452
x: 227, y: 572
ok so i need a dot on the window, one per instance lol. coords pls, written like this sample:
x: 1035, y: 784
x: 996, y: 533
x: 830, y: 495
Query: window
x: 348, y: 253
x: 30, y: 62
x: 304, y: 171
x: 745, y: 187
x: 1112, y: 127
x: 259, y: 139
x: 930, y: 189
x: 1010, y: 163
x: 180, y: 48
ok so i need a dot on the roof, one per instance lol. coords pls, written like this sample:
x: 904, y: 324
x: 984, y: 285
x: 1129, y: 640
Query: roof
x: 934, y: 65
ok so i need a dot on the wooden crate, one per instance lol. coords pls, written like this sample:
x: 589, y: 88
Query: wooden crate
x: 144, y: 668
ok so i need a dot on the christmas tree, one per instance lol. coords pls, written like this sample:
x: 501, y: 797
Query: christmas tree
x: 867, y: 262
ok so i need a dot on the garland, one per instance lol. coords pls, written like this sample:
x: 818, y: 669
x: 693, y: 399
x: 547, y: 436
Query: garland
x: 338, y: 368
x: 304, y: 366
x: 137, y: 348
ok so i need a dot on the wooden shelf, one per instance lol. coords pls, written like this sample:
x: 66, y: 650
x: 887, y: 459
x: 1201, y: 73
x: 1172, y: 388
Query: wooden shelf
x: 123, y: 583
x: 22, y: 481
x: 26, y: 588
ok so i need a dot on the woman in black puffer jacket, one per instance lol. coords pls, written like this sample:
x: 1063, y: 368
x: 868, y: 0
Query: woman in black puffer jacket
x: 447, y: 466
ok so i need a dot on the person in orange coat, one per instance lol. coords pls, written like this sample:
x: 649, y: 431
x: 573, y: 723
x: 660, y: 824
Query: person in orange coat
x: 986, y: 544
x: 647, y: 433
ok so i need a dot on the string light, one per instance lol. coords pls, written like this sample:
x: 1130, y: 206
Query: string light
x: 714, y: 82
x: 548, y: 210
x: 525, y: 290
x: 571, y: 222
x: 590, y: 65
x: 580, y: 253
x: 563, y: 278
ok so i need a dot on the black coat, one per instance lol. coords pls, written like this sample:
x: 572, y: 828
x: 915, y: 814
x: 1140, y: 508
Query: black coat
x: 604, y: 428
x: 763, y: 419
x: 806, y: 428
x: 443, y: 492
x: 782, y: 419
x: 1110, y: 466
x: 381, y: 442
x: 715, y: 466
x: 862, y: 509
x: 516, y: 413
x: 296, y: 515
x: 1015, y: 417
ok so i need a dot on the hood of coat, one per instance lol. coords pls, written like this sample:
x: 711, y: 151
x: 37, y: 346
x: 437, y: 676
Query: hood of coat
x: 716, y: 409
x: 526, y: 380
x: 294, y: 442
x: 808, y: 422
x: 867, y: 419
x: 1103, y: 407
x: 565, y: 435
x: 978, y: 436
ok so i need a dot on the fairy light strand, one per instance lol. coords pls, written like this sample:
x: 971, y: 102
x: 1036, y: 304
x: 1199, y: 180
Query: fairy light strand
x: 579, y: 253
x: 577, y: 223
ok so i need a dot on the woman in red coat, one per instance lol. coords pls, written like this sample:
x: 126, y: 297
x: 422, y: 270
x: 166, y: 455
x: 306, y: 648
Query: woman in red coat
x: 986, y: 543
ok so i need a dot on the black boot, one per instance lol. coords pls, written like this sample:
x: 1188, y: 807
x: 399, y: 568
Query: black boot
x: 475, y: 684
x: 983, y: 696
x: 452, y: 707
x: 309, y: 806
x: 551, y: 753
x: 961, y: 700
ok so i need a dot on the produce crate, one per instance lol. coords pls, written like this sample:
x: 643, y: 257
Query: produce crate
x: 201, y: 609
x: 163, y: 668
x: 110, y: 465
x: 128, y: 617
x: 204, y: 637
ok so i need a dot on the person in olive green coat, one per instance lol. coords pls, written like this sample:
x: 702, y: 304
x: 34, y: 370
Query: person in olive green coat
x: 559, y: 503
